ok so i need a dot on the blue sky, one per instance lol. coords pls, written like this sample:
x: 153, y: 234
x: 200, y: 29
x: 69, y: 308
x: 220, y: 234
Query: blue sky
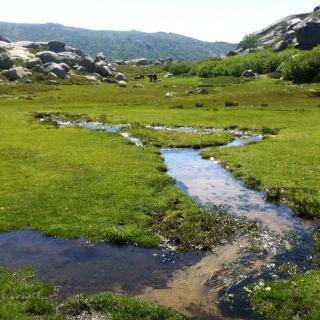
x: 210, y: 20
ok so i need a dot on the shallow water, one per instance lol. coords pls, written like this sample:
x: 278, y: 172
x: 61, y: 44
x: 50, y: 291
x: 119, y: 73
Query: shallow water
x: 77, y: 267
x: 192, y: 283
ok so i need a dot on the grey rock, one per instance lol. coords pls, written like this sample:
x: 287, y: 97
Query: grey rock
x: 139, y: 86
x: 122, y: 84
x: 248, y: 73
x: 120, y: 76
x: 28, y: 81
x: 308, y: 33
x: 54, y: 68
x: 16, y: 73
x: 70, y: 56
x: 5, y: 61
x: 201, y: 91
x: 88, y: 63
x: 170, y: 94
x: 103, y: 69
x: 100, y: 57
x: 32, y: 63
x: 82, y: 69
x: 53, y: 82
x: 49, y: 56
x: 316, y: 10
x: 56, y: 46
x: 141, y: 62
x: 4, y: 39
x: 281, y: 45
x: 32, y: 45
x: 110, y: 80
x: 64, y: 66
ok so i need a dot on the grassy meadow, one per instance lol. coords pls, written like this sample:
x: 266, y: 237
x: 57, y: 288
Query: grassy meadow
x: 78, y: 183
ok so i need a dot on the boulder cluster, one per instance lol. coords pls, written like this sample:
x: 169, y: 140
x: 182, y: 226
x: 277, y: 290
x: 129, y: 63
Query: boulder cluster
x: 145, y: 62
x: 301, y: 31
x: 54, y: 59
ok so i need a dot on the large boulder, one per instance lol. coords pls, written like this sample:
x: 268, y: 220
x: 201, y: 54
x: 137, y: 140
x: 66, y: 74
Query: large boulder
x: 54, y: 68
x: 316, y: 10
x: 88, y: 63
x: 5, y: 61
x: 141, y: 62
x: 4, y: 39
x: 56, y: 46
x: 102, y: 68
x: 308, y: 33
x: 34, y: 63
x: 248, y: 73
x: 49, y: 56
x: 70, y: 56
x: 120, y: 76
x: 16, y: 73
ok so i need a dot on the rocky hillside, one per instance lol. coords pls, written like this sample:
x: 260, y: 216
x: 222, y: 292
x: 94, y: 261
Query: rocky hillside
x: 119, y: 45
x: 298, y: 30
x: 52, y: 61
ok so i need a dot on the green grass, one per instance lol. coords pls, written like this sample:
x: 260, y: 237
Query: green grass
x: 119, y: 308
x: 75, y: 182
x: 23, y: 298
x: 296, y: 298
x: 180, y: 139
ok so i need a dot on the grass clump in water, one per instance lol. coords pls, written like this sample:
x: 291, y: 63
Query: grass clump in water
x: 161, y: 138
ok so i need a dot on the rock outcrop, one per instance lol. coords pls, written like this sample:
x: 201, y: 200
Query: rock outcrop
x: 54, y: 59
x: 300, y: 31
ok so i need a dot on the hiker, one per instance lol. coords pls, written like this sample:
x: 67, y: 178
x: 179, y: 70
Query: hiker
x: 155, y: 77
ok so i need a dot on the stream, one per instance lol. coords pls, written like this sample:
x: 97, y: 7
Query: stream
x: 202, y: 286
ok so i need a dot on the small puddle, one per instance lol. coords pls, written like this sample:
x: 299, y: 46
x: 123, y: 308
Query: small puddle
x: 198, y: 285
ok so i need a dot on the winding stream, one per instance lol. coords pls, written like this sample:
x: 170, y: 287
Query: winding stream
x: 201, y: 286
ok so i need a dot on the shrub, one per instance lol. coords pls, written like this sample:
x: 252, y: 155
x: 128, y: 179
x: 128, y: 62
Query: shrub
x: 303, y: 67
x: 261, y: 62
x: 182, y: 68
x: 231, y: 104
x: 249, y: 41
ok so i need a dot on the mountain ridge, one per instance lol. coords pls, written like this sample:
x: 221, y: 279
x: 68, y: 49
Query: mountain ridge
x: 119, y: 45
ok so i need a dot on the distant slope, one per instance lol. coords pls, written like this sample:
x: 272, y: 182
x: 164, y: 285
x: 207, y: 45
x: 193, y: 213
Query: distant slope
x: 122, y: 45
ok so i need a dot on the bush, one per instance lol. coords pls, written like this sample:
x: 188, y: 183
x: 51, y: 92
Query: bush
x: 182, y: 68
x: 231, y: 104
x: 249, y: 41
x: 303, y: 67
x: 261, y: 62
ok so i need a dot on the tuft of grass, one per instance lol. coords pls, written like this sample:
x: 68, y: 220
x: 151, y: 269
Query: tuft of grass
x: 23, y: 298
x: 296, y: 298
x: 118, y: 308
x: 172, y: 139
